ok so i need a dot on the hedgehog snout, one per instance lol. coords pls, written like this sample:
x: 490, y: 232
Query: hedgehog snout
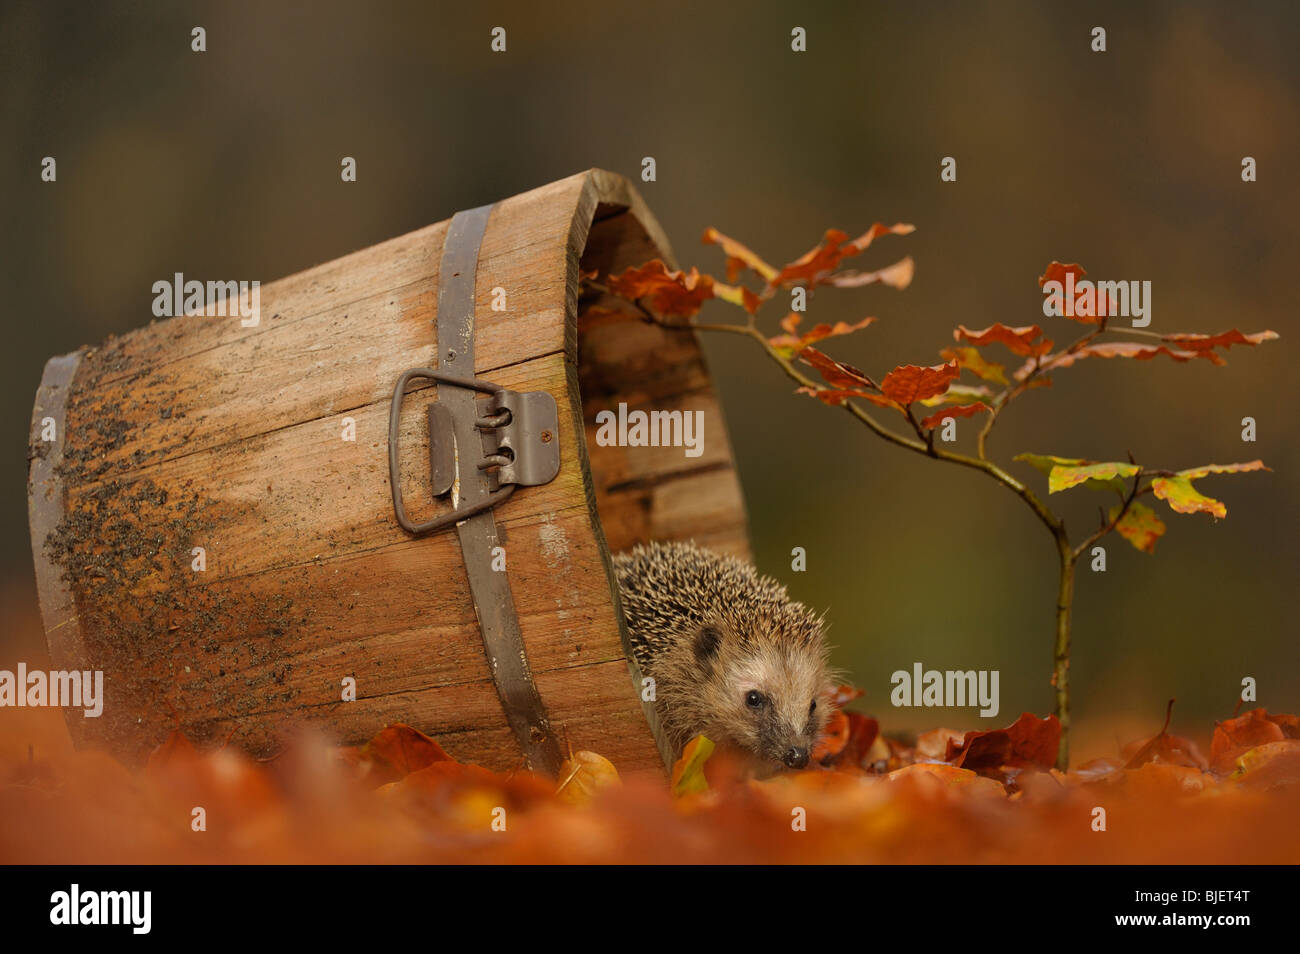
x: 796, y: 757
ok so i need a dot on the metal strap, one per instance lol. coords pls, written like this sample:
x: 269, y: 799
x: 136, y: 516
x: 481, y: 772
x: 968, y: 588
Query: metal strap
x: 503, y: 643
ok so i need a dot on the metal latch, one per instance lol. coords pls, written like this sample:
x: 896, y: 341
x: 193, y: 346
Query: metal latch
x: 520, y: 446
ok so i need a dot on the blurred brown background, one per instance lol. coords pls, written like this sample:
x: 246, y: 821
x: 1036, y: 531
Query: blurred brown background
x: 226, y: 164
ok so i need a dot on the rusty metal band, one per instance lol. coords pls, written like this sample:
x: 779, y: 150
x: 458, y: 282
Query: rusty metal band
x: 494, y: 604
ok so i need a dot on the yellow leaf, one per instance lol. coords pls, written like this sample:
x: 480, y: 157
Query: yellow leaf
x: 688, y: 772
x: 583, y: 775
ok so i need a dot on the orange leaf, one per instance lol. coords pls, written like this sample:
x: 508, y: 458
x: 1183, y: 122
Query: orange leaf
x: 793, y: 342
x: 398, y: 750
x: 1140, y: 525
x: 833, y: 739
x: 908, y: 383
x: 671, y: 294
x: 1224, y: 339
x: 739, y: 256
x: 836, y: 373
x: 899, y: 275
x: 1127, y: 349
x: 1234, y: 737
x: 1029, y: 742
x: 957, y: 410
x: 815, y: 264
x: 1018, y: 340
x: 583, y: 775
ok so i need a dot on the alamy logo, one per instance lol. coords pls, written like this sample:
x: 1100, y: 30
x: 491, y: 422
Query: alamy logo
x: 193, y: 297
x: 952, y: 689
x: 683, y: 429
x: 103, y: 907
x: 1085, y: 299
x: 76, y: 689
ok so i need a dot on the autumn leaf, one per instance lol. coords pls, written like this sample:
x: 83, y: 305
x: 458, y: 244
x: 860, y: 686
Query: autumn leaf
x: 583, y: 775
x: 1223, y: 339
x: 1084, y: 310
x: 1166, y: 748
x: 1019, y: 341
x: 960, y: 394
x: 1234, y: 737
x: 836, y: 373
x: 833, y: 739
x: 669, y: 293
x: 1271, y: 765
x: 1072, y: 467
x: 909, y: 382
x: 972, y: 360
x: 398, y: 750
x: 1110, y: 474
x: 959, y: 410
x: 1182, y: 497
x: 1140, y: 525
x: 791, y: 343
x: 688, y: 771
x: 1126, y: 349
x: 1029, y: 742
x: 842, y: 695
x: 739, y: 256
x: 737, y: 295
x: 815, y: 264
x: 899, y: 275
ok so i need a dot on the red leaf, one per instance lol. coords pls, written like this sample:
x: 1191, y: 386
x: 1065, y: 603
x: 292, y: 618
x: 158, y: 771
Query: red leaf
x: 909, y: 382
x: 836, y: 373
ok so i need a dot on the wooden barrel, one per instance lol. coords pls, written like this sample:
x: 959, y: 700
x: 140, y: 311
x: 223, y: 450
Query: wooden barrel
x: 206, y: 534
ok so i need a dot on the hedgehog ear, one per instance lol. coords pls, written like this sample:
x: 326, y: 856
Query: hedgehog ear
x: 707, y: 641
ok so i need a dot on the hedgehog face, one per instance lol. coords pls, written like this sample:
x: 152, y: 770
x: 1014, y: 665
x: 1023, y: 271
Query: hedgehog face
x: 776, y: 687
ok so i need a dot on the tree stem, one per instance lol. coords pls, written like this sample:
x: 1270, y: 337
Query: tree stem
x: 1061, y: 652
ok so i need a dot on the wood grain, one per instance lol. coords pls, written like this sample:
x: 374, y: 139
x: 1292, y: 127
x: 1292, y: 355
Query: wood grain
x: 196, y: 432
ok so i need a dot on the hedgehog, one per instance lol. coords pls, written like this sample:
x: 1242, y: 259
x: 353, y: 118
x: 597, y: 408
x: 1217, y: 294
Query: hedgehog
x: 732, y: 656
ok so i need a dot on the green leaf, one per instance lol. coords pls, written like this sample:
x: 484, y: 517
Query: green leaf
x: 1066, y: 472
x: 1105, y: 476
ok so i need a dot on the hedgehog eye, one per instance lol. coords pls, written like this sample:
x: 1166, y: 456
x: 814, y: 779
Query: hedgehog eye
x: 812, y: 707
x: 755, y: 699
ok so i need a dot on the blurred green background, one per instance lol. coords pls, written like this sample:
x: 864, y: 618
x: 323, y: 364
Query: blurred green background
x: 226, y: 163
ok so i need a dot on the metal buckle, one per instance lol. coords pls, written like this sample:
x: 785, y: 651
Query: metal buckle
x: 525, y: 453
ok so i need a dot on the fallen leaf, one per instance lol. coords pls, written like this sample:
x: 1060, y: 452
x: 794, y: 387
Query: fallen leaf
x: 688, y: 772
x: 583, y: 775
